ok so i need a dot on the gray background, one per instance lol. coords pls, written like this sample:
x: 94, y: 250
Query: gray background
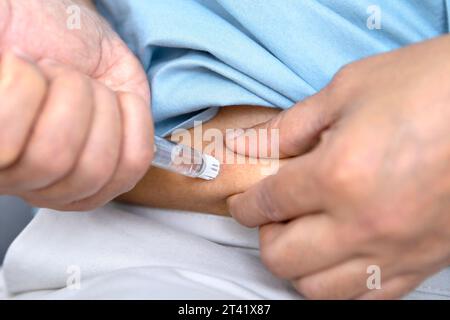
x: 14, y: 216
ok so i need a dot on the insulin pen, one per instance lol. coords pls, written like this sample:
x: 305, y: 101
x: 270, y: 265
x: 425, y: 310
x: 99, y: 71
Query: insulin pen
x: 184, y: 160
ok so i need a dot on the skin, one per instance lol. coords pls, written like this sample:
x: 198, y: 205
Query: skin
x: 76, y: 129
x: 163, y: 189
x: 367, y: 183
x: 369, y: 179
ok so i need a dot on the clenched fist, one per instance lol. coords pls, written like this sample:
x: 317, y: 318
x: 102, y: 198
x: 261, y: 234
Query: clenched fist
x: 75, y: 123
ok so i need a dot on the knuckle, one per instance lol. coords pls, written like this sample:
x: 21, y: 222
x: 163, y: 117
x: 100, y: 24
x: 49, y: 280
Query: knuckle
x: 344, y: 172
x: 334, y: 173
x: 344, y: 74
x: 369, y: 227
x: 384, y: 223
x: 343, y: 81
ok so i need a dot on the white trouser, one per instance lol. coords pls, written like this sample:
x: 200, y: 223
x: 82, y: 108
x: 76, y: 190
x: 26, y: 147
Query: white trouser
x: 132, y: 252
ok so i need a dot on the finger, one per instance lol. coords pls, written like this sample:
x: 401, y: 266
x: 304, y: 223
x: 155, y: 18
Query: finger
x: 395, y: 288
x: 304, y: 246
x: 58, y: 136
x: 280, y: 197
x: 294, y: 130
x: 135, y: 157
x: 22, y: 90
x: 99, y: 159
x: 52, y: 68
x: 345, y: 281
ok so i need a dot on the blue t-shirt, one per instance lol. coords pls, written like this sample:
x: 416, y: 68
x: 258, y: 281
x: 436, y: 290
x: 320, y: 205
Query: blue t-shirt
x: 210, y: 53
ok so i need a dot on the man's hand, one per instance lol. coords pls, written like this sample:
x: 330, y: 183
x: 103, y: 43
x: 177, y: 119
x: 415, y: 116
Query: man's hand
x: 75, y: 124
x: 41, y: 29
x: 372, y: 184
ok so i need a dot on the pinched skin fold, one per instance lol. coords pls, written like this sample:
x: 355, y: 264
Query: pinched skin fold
x: 164, y: 189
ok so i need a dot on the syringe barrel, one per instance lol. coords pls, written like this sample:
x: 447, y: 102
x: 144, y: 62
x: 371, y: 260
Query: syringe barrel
x: 177, y: 158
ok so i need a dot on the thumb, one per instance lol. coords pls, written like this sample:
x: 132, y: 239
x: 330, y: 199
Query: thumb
x: 291, y: 133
